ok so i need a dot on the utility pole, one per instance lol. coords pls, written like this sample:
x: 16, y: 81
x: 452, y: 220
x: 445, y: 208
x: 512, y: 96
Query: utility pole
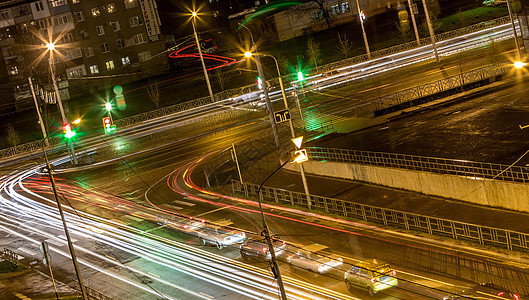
x: 42, y: 128
x: 361, y: 17
x: 70, y: 245
x: 412, y: 13
x: 514, y: 31
x: 201, y: 57
x: 430, y: 29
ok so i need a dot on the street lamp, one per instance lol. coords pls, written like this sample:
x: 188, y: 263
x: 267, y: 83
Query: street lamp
x: 518, y: 64
x: 430, y: 29
x: 266, y: 232
x: 51, y: 49
x: 265, y: 89
x: 194, y: 15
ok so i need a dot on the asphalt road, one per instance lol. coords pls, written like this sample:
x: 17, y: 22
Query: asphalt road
x: 484, y: 128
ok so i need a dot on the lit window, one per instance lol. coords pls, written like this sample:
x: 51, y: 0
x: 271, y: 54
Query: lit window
x: 57, y: 3
x: 100, y: 30
x: 125, y: 61
x: 131, y: 3
x: 76, y: 1
x: 96, y: 12
x: 94, y: 69
x: 134, y: 21
x: 144, y: 56
x: 110, y: 65
x: 345, y: 7
x: 111, y: 8
x: 105, y: 47
x: 335, y: 9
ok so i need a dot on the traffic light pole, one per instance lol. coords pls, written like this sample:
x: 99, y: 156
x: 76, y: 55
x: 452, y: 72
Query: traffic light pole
x: 265, y: 89
x: 61, y: 109
x: 70, y: 245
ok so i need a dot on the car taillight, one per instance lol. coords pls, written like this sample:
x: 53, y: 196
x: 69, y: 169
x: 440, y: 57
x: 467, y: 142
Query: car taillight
x: 373, y: 280
x: 284, y: 243
x: 265, y: 249
x: 203, y: 221
x: 516, y: 297
x: 185, y: 226
x: 394, y: 273
x: 500, y: 293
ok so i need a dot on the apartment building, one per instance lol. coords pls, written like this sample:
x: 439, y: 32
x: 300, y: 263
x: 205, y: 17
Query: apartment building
x: 99, y: 43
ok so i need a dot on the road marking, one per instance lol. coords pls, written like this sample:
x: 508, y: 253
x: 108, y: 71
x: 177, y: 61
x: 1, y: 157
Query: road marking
x: 19, y: 295
x: 170, y: 206
x: 25, y: 250
x: 110, y: 257
x: 207, y: 295
x: 154, y: 274
x: 56, y: 242
x: 63, y: 237
x: 211, y: 211
x: 183, y: 203
x: 133, y: 218
x: 426, y: 278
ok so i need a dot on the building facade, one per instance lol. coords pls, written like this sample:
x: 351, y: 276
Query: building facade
x: 99, y: 43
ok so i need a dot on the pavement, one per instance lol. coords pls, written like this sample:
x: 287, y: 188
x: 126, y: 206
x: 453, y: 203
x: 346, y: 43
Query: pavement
x: 34, y: 284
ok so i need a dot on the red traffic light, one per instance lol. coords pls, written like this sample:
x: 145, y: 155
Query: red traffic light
x: 106, y: 121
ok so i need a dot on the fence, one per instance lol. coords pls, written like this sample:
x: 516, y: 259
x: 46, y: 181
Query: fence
x: 422, y: 163
x: 10, y: 256
x: 410, y: 45
x: 433, y: 226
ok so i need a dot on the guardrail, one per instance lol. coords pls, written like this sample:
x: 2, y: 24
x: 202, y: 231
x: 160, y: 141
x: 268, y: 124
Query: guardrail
x: 388, y: 217
x: 457, y: 167
x: 409, y: 45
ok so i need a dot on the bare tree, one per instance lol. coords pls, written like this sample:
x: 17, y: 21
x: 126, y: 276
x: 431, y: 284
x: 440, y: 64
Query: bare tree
x: 154, y: 94
x: 313, y: 51
x: 12, y: 135
x: 461, y: 16
x: 221, y: 77
x: 344, y: 46
x: 403, y: 30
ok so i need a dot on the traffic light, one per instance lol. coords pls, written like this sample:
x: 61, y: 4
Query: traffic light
x: 300, y: 76
x: 108, y: 126
x: 259, y: 82
x: 68, y: 132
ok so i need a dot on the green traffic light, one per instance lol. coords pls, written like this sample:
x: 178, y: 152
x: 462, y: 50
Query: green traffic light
x: 108, y: 106
x: 70, y: 134
x: 300, y: 76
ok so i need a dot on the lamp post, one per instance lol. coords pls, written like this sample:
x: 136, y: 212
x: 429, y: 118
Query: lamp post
x: 265, y: 89
x: 430, y: 29
x: 194, y: 14
x: 412, y: 13
x: 514, y: 32
x: 51, y: 48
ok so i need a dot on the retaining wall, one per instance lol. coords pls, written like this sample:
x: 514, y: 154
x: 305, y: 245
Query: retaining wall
x: 509, y: 195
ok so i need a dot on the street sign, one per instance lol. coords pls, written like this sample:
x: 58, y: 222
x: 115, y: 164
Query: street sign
x: 282, y: 115
x: 300, y: 156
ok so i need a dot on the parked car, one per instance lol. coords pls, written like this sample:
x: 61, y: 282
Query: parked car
x: 259, y: 250
x: 314, y: 258
x: 484, y: 291
x: 220, y: 234
x: 372, y: 275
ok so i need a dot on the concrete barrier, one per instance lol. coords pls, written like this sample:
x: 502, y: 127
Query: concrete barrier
x: 494, y: 193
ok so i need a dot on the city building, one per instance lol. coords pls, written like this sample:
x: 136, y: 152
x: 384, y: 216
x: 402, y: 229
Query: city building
x: 99, y: 43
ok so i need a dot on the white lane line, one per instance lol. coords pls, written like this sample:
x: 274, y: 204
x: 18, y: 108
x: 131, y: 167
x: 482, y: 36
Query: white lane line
x: 183, y: 203
x: 426, y: 278
x: 56, y: 242
x: 27, y: 251
x: 211, y: 211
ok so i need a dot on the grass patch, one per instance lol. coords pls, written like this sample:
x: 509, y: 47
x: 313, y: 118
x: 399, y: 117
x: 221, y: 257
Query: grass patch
x: 9, y: 267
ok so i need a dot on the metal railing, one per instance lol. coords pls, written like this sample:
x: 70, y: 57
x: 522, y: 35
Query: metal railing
x: 388, y: 217
x: 457, y: 167
x: 409, y: 45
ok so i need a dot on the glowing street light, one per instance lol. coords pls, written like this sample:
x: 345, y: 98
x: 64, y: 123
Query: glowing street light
x: 519, y: 64
x: 51, y: 48
x: 194, y: 15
